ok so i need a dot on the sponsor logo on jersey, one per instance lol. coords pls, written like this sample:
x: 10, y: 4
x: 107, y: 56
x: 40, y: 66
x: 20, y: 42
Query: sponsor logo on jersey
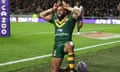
x: 61, y: 34
x: 59, y: 30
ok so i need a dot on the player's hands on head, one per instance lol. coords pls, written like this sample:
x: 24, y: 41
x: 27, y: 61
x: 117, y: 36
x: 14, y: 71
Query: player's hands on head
x: 55, y: 6
x: 65, y: 5
x: 59, y: 2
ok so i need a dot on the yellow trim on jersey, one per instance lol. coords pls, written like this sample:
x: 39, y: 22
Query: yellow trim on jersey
x: 62, y: 22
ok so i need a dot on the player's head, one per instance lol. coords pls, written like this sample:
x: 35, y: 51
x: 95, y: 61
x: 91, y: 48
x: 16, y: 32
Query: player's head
x: 61, y: 12
x: 78, y: 3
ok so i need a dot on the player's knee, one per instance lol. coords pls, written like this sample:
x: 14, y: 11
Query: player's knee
x: 55, y: 69
x: 69, y: 46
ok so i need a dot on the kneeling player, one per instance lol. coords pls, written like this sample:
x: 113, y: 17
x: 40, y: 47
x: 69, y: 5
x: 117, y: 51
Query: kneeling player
x: 64, y: 24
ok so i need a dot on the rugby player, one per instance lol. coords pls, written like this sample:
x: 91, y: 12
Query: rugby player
x: 64, y: 24
x: 80, y: 18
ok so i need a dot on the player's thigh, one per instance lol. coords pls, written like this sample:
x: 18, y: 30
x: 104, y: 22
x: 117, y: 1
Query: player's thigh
x: 58, y: 51
x: 56, y: 63
x: 80, y: 23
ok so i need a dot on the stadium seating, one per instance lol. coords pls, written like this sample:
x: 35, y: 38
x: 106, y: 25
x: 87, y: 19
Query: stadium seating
x: 93, y: 8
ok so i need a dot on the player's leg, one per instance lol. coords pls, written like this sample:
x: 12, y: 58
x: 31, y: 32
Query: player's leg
x: 58, y: 55
x: 56, y: 63
x: 69, y: 48
x: 17, y: 19
x: 79, y: 25
x: 78, y: 28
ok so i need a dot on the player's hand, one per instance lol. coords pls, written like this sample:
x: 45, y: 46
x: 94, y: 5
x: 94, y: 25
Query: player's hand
x: 55, y: 6
x: 65, y: 5
x: 59, y: 2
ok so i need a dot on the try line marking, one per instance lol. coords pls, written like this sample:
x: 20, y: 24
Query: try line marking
x: 48, y: 55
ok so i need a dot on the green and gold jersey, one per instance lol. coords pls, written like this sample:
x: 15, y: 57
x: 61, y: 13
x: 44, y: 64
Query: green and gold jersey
x: 63, y: 28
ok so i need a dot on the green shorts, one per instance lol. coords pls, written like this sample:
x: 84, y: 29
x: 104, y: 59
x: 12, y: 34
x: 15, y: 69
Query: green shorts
x: 58, y: 50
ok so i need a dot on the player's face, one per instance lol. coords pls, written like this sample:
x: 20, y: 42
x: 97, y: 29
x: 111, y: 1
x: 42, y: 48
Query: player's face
x: 60, y: 11
x: 77, y: 3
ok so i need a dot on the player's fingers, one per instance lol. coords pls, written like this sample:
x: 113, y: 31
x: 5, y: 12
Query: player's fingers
x: 59, y: 2
x: 63, y: 3
x: 55, y: 5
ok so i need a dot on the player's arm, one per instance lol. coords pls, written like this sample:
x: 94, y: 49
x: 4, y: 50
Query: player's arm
x: 47, y: 14
x: 75, y: 12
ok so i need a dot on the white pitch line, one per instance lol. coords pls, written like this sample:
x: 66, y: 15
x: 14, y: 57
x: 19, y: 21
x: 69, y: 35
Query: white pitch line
x: 39, y: 33
x: 48, y: 55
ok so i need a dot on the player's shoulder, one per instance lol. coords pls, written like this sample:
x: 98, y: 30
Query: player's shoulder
x: 81, y: 6
x: 70, y: 17
x: 75, y: 7
x: 54, y: 16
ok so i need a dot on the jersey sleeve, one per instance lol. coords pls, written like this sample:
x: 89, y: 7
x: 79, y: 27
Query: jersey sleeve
x: 71, y: 18
x: 81, y: 8
x: 75, y: 7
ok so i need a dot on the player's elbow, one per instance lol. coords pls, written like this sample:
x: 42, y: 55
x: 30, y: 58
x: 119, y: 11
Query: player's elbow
x: 41, y: 15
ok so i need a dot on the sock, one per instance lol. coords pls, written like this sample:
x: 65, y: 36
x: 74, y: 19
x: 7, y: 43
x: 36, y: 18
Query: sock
x: 71, y: 61
x: 78, y: 33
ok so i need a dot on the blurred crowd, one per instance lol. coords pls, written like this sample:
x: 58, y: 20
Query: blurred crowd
x: 101, y: 8
x: 92, y: 8
x: 30, y: 6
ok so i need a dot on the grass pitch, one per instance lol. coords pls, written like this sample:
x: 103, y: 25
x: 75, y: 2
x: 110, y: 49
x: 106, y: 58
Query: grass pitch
x: 35, y: 39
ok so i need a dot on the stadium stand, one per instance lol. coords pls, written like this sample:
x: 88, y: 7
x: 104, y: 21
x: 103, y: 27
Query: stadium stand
x: 93, y: 8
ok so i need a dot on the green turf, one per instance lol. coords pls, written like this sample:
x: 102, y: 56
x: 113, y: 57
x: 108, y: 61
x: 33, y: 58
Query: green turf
x: 36, y: 39
x: 103, y: 60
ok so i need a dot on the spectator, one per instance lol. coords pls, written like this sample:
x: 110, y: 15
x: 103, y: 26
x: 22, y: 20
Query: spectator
x: 94, y: 8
